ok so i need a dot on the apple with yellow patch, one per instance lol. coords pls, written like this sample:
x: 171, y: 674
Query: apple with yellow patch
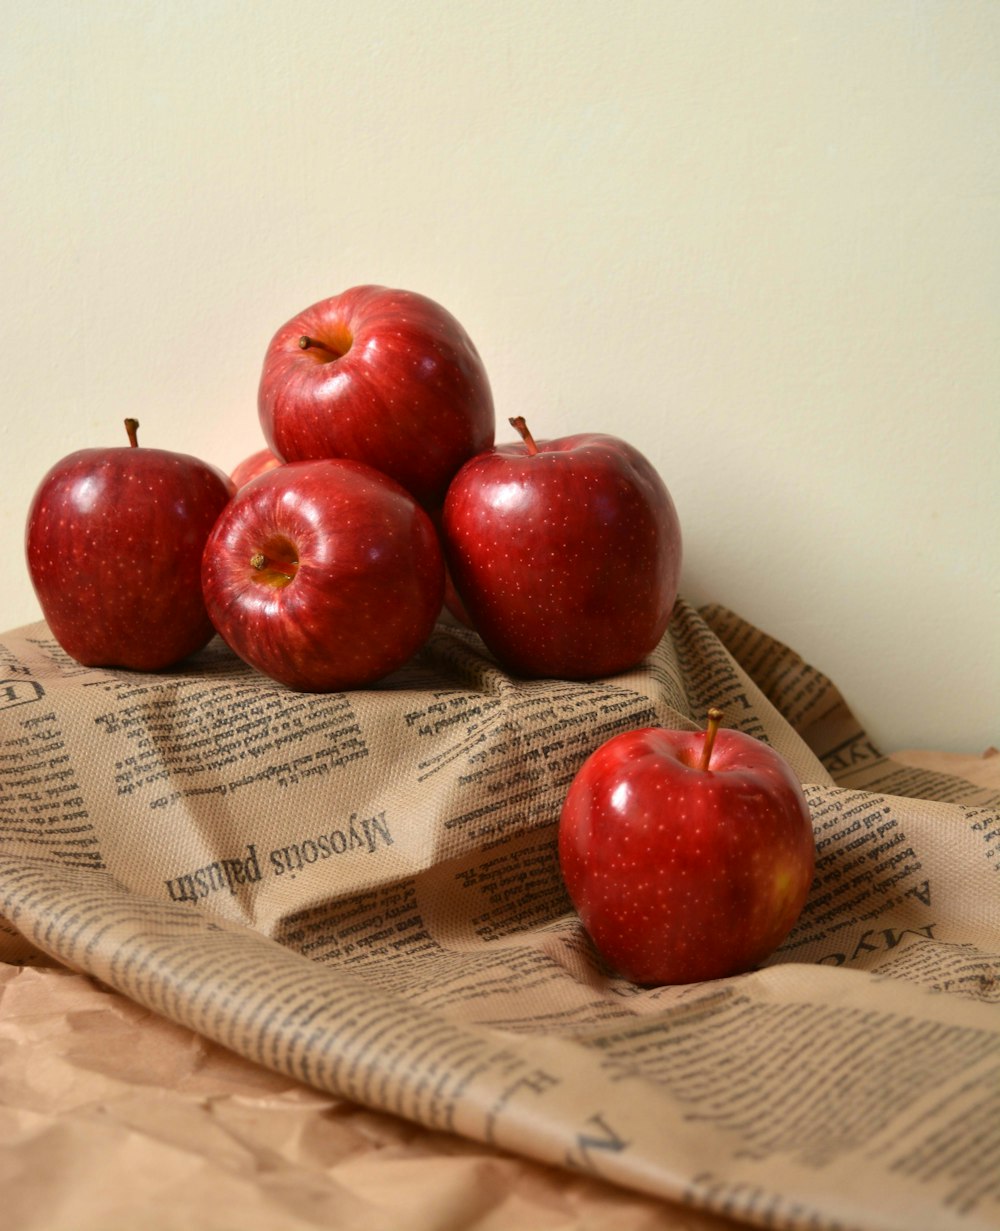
x: 687, y: 854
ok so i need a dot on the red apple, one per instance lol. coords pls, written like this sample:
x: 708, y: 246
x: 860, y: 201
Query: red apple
x: 688, y: 855
x: 323, y: 575
x: 566, y: 553
x: 253, y: 465
x: 382, y: 376
x: 113, y: 541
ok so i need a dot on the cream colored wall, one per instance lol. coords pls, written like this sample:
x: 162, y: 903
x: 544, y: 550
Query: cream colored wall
x: 759, y: 240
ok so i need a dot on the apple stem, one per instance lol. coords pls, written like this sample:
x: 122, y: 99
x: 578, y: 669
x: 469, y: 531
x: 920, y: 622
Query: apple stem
x: 275, y: 568
x: 714, y: 718
x: 308, y: 343
x: 522, y: 429
x: 132, y: 428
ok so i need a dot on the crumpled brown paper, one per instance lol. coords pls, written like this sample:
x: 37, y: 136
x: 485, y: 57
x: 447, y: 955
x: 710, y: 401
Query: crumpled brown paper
x: 114, y: 1119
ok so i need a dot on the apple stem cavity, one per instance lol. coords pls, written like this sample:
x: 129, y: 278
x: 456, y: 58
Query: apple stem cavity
x: 714, y: 718
x: 521, y: 427
x: 132, y: 430
x: 273, y: 572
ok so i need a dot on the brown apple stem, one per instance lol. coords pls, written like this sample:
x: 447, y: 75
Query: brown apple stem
x: 274, y: 572
x: 308, y: 343
x: 714, y: 718
x: 522, y: 429
x: 132, y: 428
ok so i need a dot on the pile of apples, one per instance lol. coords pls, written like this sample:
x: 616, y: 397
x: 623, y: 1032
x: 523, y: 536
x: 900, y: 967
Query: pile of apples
x: 326, y: 558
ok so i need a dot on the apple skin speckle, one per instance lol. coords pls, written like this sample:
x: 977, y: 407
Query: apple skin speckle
x: 681, y: 874
x: 567, y: 560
